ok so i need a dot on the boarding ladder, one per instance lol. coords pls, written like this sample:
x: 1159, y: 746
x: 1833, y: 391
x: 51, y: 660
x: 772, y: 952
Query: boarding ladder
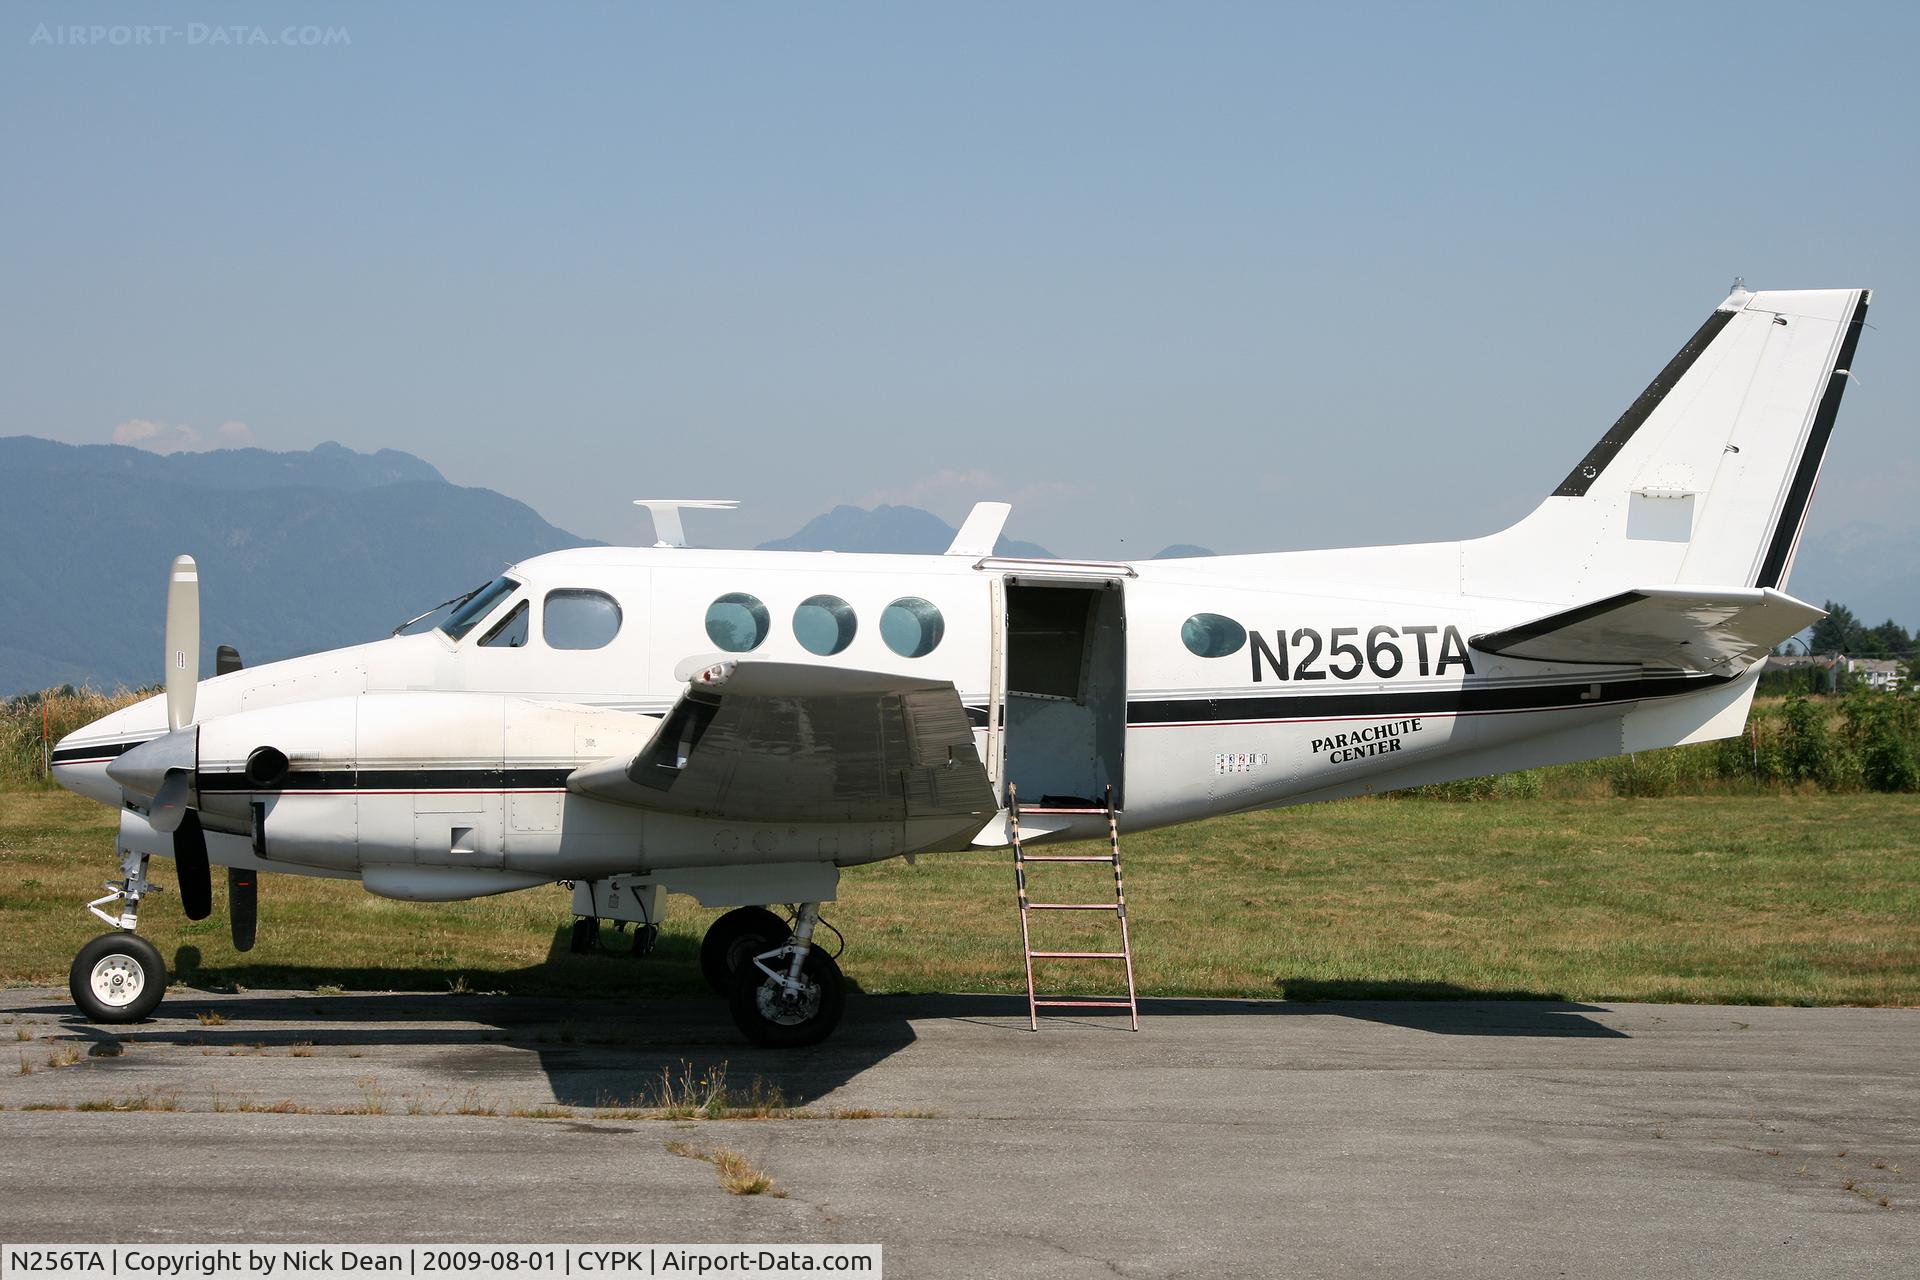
x: 1118, y: 906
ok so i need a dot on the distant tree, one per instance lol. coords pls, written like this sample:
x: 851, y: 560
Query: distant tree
x: 1892, y: 640
x: 1835, y: 632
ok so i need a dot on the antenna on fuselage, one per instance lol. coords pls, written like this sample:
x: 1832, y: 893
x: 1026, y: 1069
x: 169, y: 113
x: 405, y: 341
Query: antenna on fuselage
x: 666, y: 515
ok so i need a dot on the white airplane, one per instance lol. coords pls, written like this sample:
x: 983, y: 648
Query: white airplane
x: 740, y: 726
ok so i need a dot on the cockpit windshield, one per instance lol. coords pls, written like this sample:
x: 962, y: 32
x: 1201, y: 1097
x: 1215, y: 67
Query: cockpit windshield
x: 477, y: 606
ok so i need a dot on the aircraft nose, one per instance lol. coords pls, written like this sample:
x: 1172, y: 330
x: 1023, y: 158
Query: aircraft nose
x: 79, y: 763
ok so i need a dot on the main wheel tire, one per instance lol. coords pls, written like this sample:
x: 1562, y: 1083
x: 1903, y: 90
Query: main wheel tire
x: 586, y: 936
x: 735, y: 937
x: 118, y: 977
x: 765, y: 1015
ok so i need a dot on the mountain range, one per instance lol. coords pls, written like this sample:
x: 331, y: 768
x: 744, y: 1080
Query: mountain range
x: 302, y: 551
x: 1873, y: 570
x: 298, y: 552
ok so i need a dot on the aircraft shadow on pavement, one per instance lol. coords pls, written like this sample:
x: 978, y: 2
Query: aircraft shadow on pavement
x: 1467, y: 1013
x: 607, y: 1028
x: 611, y: 1049
x: 594, y: 1052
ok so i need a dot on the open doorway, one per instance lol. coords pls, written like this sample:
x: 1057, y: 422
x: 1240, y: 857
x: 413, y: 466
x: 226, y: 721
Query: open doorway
x: 1066, y: 690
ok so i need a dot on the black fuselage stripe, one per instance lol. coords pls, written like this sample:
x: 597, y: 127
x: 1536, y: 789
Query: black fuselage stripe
x: 1464, y: 700
x: 1786, y: 530
x: 482, y: 779
x: 98, y: 751
x: 1581, y: 478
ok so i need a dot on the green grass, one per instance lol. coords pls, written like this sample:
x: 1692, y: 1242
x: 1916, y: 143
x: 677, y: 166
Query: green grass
x: 1772, y: 898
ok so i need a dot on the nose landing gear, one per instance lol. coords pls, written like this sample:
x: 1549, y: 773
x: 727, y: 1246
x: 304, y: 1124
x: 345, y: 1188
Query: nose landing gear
x: 120, y: 976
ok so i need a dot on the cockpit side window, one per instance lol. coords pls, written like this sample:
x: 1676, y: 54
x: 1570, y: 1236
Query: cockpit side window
x: 511, y: 632
x: 477, y: 606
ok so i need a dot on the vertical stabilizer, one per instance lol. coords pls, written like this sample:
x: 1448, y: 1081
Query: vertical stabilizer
x: 1707, y: 477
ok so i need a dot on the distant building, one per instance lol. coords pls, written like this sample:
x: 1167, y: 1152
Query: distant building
x: 1884, y: 674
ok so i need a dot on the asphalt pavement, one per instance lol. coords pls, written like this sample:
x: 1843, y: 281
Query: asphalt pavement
x: 1241, y: 1138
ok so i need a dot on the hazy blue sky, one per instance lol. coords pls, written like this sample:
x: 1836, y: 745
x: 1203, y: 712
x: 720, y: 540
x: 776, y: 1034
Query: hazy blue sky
x: 1247, y: 276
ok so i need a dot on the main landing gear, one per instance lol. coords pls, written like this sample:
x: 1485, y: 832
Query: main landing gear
x: 783, y: 991
x: 585, y: 938
x: 120, y: 976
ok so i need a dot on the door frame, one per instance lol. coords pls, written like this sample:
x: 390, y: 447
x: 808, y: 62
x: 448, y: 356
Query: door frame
x: 1084, y: 576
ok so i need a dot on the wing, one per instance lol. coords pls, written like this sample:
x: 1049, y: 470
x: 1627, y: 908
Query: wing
x: 784, y: 742
x: 1693, y: 628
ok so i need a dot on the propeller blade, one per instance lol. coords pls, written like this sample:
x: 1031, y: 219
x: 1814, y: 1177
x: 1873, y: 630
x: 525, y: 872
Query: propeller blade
x: 243, y: 905
x: 183, y: 641
x: 190, y: 865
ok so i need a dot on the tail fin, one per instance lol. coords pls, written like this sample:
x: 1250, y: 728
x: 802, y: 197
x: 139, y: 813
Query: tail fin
x: 1706, y: 478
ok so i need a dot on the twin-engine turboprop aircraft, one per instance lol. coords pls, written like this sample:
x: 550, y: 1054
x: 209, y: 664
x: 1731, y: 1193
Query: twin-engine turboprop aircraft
x: 740, y: 726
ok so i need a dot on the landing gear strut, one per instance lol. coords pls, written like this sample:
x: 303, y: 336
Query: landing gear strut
x: 119, y: 976
x: 586, y: 936
x: 791, y: 995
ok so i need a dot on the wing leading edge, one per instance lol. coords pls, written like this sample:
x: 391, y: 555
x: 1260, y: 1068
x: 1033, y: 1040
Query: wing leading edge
x: 1691, y: 628
x: 775, y: 742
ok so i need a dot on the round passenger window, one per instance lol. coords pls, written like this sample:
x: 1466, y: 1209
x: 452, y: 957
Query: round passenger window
x: 1211, y: 635
x: 737, y: 622
x: 912, y: 627
x: 824, y: 625
x: 579, y: 619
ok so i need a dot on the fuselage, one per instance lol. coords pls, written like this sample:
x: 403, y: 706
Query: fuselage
x: 1192, y: 687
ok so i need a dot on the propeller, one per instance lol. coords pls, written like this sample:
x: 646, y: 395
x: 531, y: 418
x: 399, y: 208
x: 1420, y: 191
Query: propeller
x: 183, y: 641
x: 243, y: 905
x: 162, y: 772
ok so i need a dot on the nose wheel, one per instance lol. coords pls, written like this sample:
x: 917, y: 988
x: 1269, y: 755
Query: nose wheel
x: 118, y: 977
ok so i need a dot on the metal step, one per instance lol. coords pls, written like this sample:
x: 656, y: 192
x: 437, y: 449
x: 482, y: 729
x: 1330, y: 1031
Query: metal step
x: 1067, y: 857
x: 1084, y: 1002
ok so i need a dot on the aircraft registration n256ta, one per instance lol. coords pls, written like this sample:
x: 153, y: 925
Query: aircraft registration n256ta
x: 742, y: 726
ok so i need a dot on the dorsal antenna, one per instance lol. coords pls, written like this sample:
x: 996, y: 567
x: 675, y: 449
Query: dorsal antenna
x: 666, y: 515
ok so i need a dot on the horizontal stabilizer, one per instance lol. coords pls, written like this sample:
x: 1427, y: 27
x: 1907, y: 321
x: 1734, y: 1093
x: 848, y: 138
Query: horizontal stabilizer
x: 779, y: 742
x: 1706, y: 629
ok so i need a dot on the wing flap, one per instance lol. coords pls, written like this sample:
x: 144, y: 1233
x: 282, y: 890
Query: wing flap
x: 1707, y: 629
x: 772, y: 742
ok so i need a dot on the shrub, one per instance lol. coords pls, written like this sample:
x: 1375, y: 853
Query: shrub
x: 1880, y: 730
x: 1644, y: 773
x: 1808, y: 750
